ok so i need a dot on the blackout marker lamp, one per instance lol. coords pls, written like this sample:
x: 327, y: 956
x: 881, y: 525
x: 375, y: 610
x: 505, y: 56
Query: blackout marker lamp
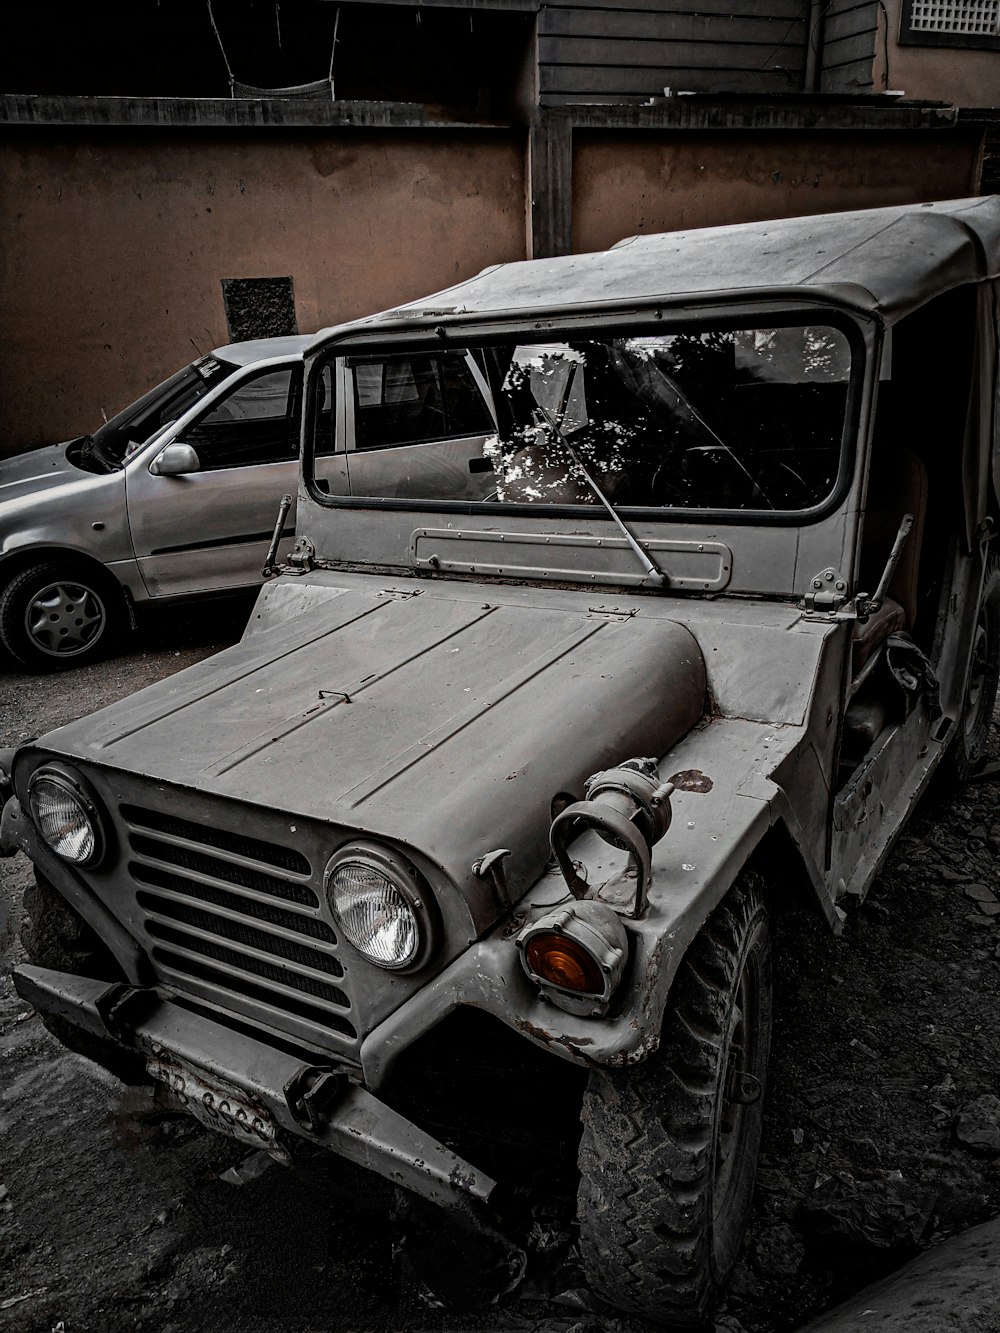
x: 628, y: 807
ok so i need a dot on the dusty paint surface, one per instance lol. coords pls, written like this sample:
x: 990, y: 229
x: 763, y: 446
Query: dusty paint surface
x: 116, y: 244
x: 628, y: 183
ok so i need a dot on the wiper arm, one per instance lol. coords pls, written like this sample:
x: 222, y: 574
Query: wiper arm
x: 652, y: 569
x: 84, y: 451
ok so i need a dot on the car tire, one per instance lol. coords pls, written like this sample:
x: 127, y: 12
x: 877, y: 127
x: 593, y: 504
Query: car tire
x: 59, y: 614
x: 669, y: 1148
x: 972, y: 733
x: 54, y: 936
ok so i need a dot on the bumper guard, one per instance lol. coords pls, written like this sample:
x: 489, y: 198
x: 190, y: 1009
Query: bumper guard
x: 315, y: 1103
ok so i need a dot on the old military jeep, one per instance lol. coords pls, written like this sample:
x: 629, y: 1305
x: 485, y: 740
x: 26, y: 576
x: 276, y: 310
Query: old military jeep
x: 674, y: 585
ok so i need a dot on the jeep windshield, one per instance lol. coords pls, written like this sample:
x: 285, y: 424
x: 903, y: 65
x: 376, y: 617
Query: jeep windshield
x: 748, y: 419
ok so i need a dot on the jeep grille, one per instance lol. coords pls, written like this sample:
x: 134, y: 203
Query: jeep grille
x: 235, y: 919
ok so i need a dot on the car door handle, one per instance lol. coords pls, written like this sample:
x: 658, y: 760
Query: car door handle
x: 480, y: 464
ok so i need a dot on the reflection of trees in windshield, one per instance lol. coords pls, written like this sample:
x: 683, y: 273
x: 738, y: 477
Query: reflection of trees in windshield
x: 723, y: 419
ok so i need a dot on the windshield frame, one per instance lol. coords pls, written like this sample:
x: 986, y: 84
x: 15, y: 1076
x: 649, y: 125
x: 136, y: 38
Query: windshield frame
x: 372, y: 341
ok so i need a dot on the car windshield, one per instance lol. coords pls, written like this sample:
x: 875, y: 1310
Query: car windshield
x: 115, y: 442
x: 721, y: 419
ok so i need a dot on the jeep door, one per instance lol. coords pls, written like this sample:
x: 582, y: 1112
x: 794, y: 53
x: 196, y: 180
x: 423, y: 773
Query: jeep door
x: 908, y: 659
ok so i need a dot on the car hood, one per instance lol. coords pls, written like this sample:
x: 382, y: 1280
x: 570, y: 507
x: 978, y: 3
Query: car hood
x: 37, y: 471
x: 440, y: 723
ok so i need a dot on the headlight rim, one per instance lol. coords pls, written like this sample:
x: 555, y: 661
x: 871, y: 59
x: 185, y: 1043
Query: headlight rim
x: 74, y: 785
x: 408, y: 882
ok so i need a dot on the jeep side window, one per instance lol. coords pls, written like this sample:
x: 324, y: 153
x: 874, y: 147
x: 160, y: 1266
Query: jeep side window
x: 257, y: 423
x: 416, y: 399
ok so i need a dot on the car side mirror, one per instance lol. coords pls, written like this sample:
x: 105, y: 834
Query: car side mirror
x: 176, y: 460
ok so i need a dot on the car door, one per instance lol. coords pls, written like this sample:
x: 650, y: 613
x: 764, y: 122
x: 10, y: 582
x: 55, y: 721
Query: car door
x: 416, y: 426
x: 209, y: 529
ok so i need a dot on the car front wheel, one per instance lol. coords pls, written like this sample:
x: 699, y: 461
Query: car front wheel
x: 669, y: 1148
x: 58, y: 615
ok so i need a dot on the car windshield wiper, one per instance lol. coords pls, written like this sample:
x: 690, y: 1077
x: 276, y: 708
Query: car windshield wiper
x: 653, y: 570
x: 85, y: 451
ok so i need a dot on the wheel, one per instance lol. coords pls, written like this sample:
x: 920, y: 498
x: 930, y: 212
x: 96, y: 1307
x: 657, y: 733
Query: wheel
x: 54, y: 936
x: 59, y: 614
x: 973, y: 730
x: 669, y: 1148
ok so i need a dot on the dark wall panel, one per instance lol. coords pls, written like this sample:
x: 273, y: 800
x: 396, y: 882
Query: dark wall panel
x: 630, y: 50
x: 850, y: 31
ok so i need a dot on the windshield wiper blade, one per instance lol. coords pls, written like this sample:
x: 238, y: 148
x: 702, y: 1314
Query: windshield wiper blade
x: 652, y: 569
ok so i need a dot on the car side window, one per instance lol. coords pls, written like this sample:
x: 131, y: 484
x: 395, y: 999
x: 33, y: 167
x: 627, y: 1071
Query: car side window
x: 413, y: 399
x: 257, y: 423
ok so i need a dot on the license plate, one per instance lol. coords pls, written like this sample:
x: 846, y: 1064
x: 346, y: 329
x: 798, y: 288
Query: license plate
x: 217, y: 1107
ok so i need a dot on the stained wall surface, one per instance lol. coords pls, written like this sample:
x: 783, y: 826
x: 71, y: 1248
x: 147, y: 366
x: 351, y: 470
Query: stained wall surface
x: 116, y: 242
x: 964, y: 75
x: 627, y: 183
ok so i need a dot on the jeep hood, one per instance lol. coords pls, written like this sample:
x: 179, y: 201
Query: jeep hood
x: 438, y: 722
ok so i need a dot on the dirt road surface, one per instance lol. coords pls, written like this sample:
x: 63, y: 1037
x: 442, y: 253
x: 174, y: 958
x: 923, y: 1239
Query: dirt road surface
x: 882, y: 1120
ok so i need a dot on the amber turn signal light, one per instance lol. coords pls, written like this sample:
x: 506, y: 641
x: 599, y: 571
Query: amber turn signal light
x: 575, y: 954
x: 563, y: 962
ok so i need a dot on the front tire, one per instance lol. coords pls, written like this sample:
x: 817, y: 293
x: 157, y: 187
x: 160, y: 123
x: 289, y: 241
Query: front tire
x: 59, y: 614
x: 972, y: 733
x: 55, y: 937
x: 669, y: 1148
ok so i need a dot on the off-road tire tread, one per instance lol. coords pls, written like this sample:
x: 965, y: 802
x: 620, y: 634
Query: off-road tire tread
x: 646, y: 1153
x: 54, y: 936
x: 961, y: 759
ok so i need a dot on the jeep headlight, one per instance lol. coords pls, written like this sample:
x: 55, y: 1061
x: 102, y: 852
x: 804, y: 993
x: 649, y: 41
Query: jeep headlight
x: 65, y: 816
x: 379, y: 905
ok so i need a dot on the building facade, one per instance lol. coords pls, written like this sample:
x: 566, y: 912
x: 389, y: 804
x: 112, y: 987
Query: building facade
x: 159, y: 161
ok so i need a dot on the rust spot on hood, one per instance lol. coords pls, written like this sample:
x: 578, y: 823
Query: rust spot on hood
x: 692, y: 779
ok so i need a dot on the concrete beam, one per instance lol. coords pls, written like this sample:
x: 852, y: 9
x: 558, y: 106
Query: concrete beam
x: 226, y: 113
x: 550, y: 185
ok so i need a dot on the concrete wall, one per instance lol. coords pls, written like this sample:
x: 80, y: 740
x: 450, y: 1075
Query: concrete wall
x: 116, y: 241
x: 626, y: 183
x: 966, y: 76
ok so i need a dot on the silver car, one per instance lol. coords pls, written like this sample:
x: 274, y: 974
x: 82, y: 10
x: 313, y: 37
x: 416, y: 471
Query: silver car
x: 177, y: 495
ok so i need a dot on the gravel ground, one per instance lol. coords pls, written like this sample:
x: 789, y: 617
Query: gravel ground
x: 882, y: 1122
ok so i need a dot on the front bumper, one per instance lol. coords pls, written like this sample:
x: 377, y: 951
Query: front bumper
x: 309, y: 1102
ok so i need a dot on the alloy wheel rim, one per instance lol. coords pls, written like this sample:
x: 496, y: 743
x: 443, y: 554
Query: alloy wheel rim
x: 64, y: 619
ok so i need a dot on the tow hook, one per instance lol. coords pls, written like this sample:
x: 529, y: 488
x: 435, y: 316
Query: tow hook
x: 122, y: 1007
x: 311, y: 1094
